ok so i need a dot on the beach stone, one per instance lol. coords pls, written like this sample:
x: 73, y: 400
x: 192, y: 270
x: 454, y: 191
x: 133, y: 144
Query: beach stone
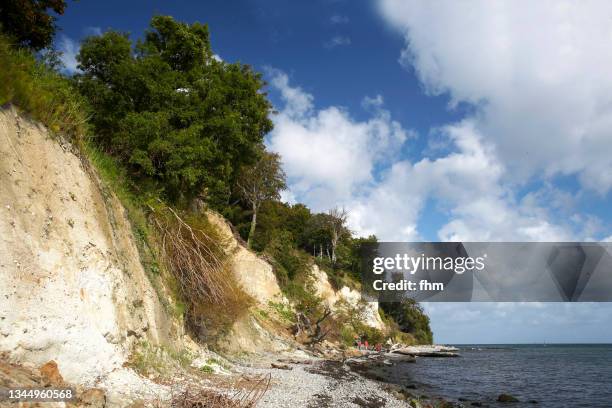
x: 50, y: 374
x: 93, y: 398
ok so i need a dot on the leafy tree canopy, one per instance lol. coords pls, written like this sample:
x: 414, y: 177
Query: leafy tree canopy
x: 30, y: 22
x: 411, y: 318
x: 179, y: 118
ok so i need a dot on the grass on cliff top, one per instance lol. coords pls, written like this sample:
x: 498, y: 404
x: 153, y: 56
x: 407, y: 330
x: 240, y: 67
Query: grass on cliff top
x: 41, y: 92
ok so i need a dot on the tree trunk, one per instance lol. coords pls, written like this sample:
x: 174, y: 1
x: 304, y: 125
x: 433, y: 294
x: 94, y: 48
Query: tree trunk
x: 334, y: 243
x: 252, y: 230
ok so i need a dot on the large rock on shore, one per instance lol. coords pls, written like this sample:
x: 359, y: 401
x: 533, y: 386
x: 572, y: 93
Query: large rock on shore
x: 428, y: 351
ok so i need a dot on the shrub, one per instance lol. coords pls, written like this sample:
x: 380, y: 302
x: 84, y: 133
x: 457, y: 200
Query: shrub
x: 211, y: 321
x: 283, y: 310
x: 371, y: 334
x: 263, y: 314
x: 347, y: 335
x: 207, y: 369
x: 393, y: 331
x: 305, y: 301
x: 350, y: 318
x: 289, y: 263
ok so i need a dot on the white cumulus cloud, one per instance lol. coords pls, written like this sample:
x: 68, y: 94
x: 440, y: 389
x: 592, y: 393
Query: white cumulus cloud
x: 329, y: 156
x: 539, y: 74
x: 333, y: 159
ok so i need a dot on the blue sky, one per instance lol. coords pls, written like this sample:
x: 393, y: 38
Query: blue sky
x: 429, y: 121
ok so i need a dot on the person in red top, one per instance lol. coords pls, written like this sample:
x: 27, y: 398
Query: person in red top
x: 367, y: 346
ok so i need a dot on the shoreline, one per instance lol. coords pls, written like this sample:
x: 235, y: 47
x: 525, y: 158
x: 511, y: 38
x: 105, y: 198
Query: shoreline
x: 351, y: 378
x: 292, y: 378
x: 300, y: 379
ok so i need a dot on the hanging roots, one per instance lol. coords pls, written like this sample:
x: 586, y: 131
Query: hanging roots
x: 194, y: 258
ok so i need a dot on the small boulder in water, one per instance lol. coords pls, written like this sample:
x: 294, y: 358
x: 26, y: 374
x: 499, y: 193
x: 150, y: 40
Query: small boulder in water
x: 506, y: 398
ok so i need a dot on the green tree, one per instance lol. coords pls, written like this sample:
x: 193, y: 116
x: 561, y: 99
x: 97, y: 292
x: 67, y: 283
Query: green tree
x: 298, y: 216
x: 353, y: 260
x: 29, y: 22
x: 317, y: 235
x: 274, y: 217
x: 179, y: 119
x: 261, y: 182
x: 411, y: 318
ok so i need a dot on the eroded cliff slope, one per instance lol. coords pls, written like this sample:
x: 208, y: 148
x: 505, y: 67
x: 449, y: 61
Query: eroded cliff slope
x: 72, y: 285
x: 73, y: 289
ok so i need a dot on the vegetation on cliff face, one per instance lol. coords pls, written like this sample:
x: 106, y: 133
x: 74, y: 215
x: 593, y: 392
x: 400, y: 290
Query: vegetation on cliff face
x: 40, y: 91
x: 181, y: 130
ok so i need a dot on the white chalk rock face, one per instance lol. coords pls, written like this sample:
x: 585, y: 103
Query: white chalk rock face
x: 255, y: 275
x: 325, y: 290
x: 72, y: 288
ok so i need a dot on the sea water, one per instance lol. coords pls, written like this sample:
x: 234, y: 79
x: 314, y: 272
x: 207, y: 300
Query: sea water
x: 556, y: 376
